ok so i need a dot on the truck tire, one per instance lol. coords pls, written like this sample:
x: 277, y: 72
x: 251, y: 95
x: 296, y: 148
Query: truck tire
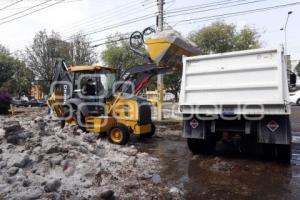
x: 150, y: 134
x: 118, y: 134
x: 201, y: 146
x: 269, y: 151
x: 283, y: 153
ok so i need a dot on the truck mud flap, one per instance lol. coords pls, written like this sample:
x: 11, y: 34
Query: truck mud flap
x: 194, y: 128
x: 274, y: 130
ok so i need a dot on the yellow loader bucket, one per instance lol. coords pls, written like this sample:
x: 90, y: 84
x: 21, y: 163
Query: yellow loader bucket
x: 168, y: 50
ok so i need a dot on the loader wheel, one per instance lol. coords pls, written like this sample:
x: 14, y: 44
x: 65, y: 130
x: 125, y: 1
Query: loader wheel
x: 118, y: 134
x: 151, y: 133
x: 201, y: 146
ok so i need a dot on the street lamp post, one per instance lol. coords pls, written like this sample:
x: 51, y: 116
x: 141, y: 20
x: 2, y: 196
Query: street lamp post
x: 285, y: 27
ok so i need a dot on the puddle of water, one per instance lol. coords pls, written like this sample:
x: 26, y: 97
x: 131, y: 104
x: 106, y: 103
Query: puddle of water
x: 208, y: 177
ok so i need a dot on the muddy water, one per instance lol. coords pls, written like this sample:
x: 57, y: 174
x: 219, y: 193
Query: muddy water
x: 222, y: 176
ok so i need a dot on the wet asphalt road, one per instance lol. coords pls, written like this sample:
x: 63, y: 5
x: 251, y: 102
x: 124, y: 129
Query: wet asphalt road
x: 226, y: 176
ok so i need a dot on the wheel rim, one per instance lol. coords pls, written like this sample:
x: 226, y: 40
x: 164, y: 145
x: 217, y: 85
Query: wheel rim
x: 116, y: 135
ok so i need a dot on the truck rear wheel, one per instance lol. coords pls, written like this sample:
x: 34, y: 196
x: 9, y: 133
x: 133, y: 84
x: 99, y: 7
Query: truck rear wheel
x: 279, y: 152
x: 269, y: 151
x: 283, y: 153
x: 201, y: 146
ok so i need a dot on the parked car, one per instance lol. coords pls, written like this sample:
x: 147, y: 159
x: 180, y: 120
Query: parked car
x: 43, y: 102
x: 16, y: 101
x: 295, y: 97
x: 37, y: 103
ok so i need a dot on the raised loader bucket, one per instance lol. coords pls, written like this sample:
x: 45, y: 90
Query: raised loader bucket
x: 167, y: 48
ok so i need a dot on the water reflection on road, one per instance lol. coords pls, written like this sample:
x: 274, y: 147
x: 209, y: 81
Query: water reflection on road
x: 223, y: 177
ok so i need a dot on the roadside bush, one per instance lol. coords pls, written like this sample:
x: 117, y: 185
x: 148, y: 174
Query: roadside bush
x: 5, y: 100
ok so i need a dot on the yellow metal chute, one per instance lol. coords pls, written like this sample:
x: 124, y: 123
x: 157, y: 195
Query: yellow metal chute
x: 167, y: 49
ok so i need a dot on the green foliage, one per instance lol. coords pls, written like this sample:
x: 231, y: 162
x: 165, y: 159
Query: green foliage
x: 119, y: 55
x: 247, y: 39
x: 23, y: 78
x: 4, y: 50
x: 172, y: 81
x: 298, y: 68
x: 8, y: 65
x: 41, y: 56
x: 220, y: 37
x: 15, y: 77
x: 46, y: 49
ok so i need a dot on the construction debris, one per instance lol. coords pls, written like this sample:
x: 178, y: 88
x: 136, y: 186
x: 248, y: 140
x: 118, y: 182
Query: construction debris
x: 39, y: 160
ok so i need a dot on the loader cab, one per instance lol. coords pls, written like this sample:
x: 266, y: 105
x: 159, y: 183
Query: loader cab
x: 92, y: 84
x: 91, y: 87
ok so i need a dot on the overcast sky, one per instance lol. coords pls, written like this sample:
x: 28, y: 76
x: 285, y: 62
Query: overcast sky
x: 89, y: 16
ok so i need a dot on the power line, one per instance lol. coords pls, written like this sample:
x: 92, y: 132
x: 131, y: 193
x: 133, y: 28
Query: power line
x: 206, y: 5
x: 213, y: 17
x: 24, y: 10
x: 124, y: 35
x: 106, y: 20
x: 18, y: 8
x: 131, y: 4
x: 94, y: 23
x: 12, y: 4
x: 137, y: 19
x: 84, y: 21
x: 31, y: 12
x: 109, y: 42
x: 221, y: 7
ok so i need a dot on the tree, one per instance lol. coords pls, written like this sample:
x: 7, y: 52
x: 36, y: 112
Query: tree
x: 81, y: 51
x: 8, y: 65
x: 220, y: 37
x: 23, y: 78
x: 16, y: 77
x: 4, y: 50
x: 119, y: 55
x: 46, y: 49
x: 172, y: 81
x: 247, y: 39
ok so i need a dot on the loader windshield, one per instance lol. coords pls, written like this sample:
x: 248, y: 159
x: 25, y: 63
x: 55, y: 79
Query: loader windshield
x: 94, y: 83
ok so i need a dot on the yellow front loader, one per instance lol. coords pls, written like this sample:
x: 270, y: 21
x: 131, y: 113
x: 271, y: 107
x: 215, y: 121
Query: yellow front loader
x: 98, y: 101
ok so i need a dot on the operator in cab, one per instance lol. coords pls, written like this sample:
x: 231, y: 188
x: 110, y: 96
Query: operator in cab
x: 88, y: 88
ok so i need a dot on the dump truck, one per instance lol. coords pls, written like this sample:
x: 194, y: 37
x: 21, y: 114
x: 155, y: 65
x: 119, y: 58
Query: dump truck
x: 240, y: 97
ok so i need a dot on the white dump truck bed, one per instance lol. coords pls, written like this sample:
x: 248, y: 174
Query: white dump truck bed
x: 251, y: 77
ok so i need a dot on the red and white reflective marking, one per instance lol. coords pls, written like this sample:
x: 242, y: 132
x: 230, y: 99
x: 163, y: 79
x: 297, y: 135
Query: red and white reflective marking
x: 194, y: 123
x: 272, y: 126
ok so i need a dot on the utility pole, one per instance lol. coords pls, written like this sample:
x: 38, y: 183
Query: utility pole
x: 160, y: 78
